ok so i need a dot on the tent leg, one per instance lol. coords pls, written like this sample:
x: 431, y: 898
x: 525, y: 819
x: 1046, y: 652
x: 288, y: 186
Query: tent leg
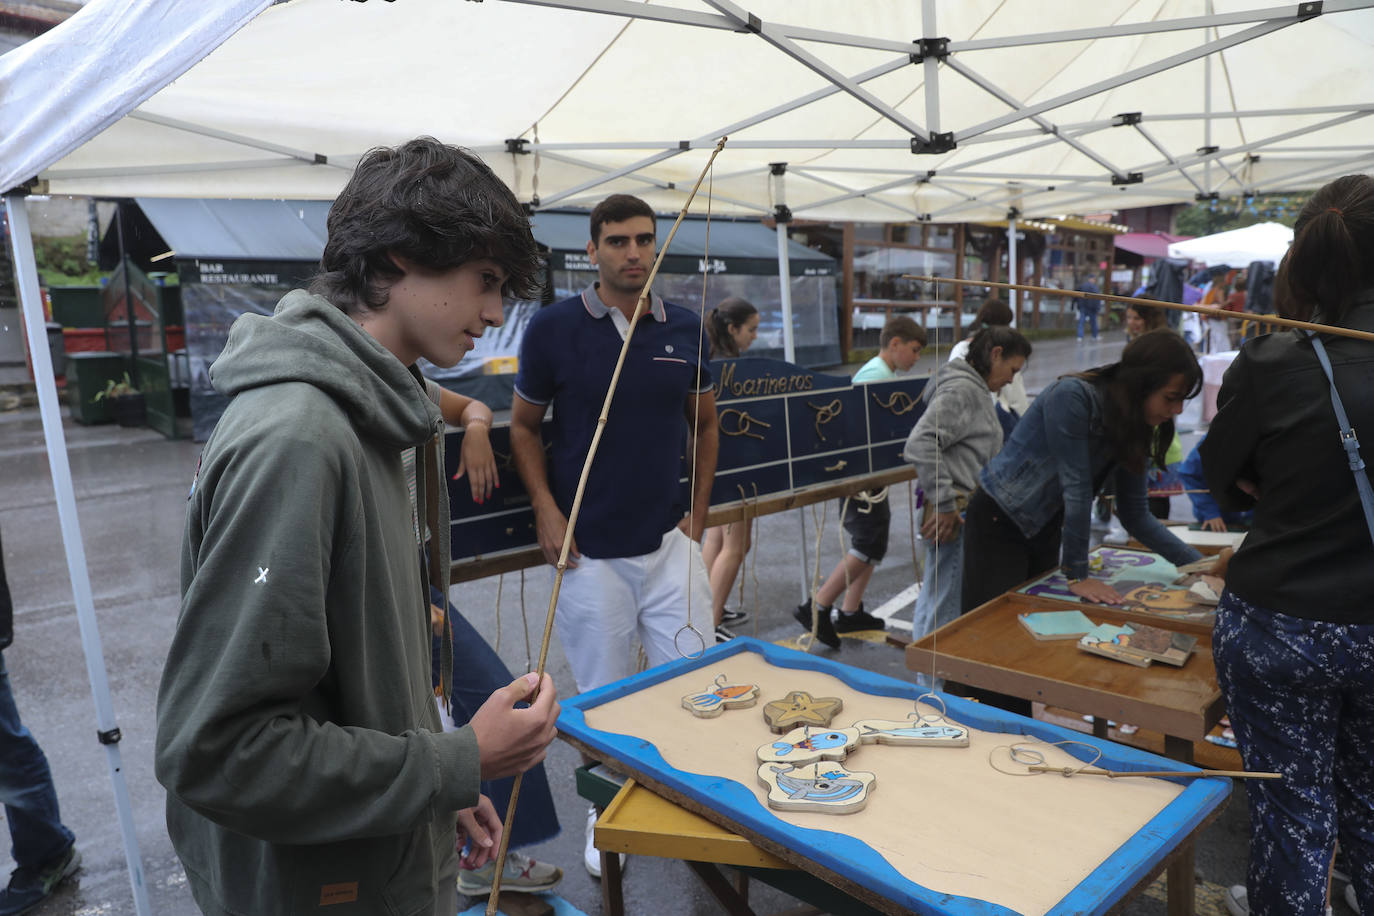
x: 26, y: 275
x: 1012, y: 271
x: 789, y: 348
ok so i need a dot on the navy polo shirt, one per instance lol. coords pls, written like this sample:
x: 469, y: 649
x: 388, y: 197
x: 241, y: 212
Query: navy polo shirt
x: 567, y: 356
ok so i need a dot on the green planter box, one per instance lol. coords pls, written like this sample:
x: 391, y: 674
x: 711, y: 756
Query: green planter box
x: 77, y: 306
x: 87, y: 374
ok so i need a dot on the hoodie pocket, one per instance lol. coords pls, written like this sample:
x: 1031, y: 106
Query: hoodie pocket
x: 390, y: 875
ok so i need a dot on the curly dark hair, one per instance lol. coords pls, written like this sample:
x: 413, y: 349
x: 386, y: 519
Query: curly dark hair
x: 436, y: 205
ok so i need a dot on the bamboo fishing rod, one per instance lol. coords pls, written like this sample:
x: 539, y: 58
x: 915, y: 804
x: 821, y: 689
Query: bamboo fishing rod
x: 1155, y: 303
x: 1121, y: 774
x: 640, y: 308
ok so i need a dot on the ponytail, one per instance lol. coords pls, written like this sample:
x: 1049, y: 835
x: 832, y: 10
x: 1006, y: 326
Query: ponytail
x: 730, y: 314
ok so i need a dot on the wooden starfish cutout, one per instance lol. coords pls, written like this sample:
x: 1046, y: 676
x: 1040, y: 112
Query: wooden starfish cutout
x: 801, y: 708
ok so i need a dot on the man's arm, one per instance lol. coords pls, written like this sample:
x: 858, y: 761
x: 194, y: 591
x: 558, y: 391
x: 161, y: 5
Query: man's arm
x: 527, y: 447
x: 700, y: 410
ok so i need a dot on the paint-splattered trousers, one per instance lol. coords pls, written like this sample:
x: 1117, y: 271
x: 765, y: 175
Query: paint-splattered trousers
x: 1300, y: 694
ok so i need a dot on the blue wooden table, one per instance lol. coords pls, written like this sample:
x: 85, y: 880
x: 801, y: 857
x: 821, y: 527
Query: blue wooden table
x: 849, y: 862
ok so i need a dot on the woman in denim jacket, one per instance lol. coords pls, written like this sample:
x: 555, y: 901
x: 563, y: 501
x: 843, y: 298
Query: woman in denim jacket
x: 1082, y: 430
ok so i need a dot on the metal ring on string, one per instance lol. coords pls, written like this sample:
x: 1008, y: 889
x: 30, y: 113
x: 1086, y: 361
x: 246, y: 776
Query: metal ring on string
x: 1028, y: 756
x: 701, y: 637
x: 931, y: 698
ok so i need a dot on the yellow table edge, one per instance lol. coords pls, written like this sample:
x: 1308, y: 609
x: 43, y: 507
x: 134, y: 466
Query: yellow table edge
x: 639, y: 822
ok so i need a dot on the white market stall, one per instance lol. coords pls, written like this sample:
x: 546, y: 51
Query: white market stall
x: 1237, y: 247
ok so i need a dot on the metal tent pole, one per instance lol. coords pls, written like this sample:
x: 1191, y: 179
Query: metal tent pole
x: 1012, y: 264
x: 26, y: 276
x: 782, y: 216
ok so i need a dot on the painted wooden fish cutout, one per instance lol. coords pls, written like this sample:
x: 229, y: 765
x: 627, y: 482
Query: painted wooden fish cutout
x: 825, y: 787
x: 911, y: 733
x: 801, y: 708
x: 810, y: 745
x: 719, y: 697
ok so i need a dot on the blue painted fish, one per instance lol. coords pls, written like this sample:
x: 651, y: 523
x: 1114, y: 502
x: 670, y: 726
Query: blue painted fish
x: 911, y: 732
x: 829, y: 786
x: 811, y: 743
x: 928, y: 732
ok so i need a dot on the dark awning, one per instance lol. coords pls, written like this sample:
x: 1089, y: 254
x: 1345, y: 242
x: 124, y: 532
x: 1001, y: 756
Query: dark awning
x: 294, y: 230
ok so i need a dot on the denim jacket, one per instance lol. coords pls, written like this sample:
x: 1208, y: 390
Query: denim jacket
x: 1057, y: 459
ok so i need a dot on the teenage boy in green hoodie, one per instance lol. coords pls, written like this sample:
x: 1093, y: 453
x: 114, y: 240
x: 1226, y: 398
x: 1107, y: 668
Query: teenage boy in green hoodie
x: 298, y: 738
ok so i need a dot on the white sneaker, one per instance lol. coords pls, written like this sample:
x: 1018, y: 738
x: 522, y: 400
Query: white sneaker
x: 1351, y: 900
x: 591, y: 856
x: 1235, y: 900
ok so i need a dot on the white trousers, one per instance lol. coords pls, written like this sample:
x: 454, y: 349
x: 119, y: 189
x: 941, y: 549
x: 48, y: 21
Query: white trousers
x: 604, y: 604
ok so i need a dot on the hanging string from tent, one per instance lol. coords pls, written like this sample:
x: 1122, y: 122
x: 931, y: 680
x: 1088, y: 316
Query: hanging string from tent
x: 696, y: 429
x: 640, y: 307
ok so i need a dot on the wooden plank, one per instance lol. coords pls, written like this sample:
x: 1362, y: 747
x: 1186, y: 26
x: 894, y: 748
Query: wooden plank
x: 642, y: 823
x: 515, y: 560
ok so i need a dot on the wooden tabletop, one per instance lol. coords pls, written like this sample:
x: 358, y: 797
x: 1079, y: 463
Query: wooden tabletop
x: 989, y: 648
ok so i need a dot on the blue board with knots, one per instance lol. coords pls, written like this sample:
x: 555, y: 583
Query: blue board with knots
x: 783, y: 428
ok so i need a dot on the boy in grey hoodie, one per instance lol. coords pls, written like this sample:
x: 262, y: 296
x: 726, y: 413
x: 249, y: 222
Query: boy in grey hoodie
x: 298, y: 737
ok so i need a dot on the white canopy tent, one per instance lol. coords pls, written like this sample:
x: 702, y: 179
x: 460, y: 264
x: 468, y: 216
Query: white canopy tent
x: 1048, y: 108
x: 1237, y: 247
x: 875, y: 110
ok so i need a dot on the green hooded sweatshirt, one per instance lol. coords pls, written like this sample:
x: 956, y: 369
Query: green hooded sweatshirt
x: 305, y: 765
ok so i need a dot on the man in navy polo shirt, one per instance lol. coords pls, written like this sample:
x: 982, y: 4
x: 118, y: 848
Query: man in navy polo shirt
x: 635, y: 565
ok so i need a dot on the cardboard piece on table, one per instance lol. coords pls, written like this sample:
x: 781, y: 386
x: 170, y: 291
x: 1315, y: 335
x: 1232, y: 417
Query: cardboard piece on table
x: 1103, y: 640
x: 911, y: 733
x: 810, y: 745
x: 1160, y: 645
x: 825, y: 788
x: 719, y: 697
x: 801, y: 708
x: 1056, y: 624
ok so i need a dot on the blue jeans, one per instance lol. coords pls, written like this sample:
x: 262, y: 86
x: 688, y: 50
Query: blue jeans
x: 938, y: 602
x: 1300, y: 694
x: 36, y: 830
x: 1088, y: 315
x: 477, y: 672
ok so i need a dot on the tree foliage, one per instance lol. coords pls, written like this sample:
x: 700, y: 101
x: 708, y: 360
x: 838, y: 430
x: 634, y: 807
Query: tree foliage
x: 1209, y: 216
x: 62, y: 261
